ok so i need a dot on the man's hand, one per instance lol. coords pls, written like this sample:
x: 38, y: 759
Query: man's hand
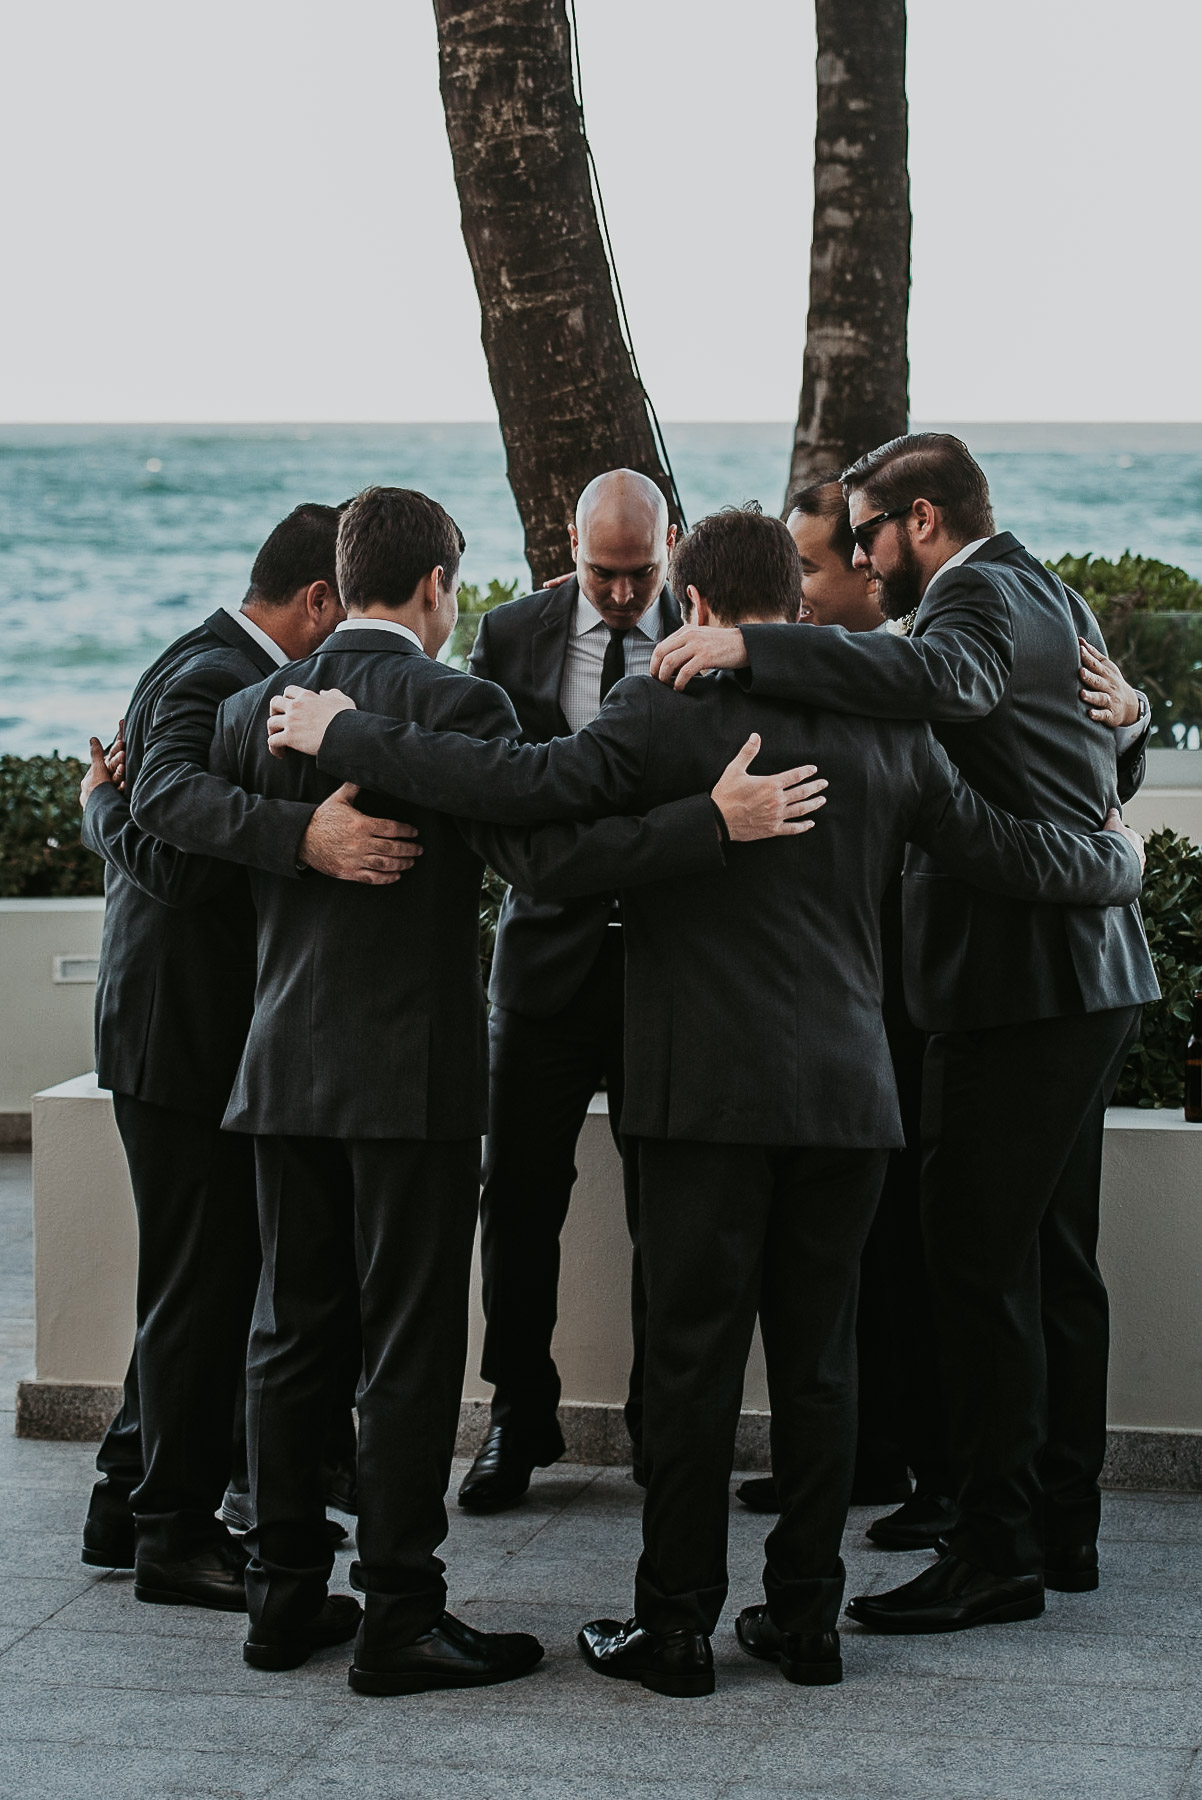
x: 558, y: 580
x: 299, y: 717
x: 1110, y: 699
x: 1114, y: 822
x: 345, y: 843
x: 765, y: 806
x: 97, y: 775
x: 695, y: 648
x: 114, y: 757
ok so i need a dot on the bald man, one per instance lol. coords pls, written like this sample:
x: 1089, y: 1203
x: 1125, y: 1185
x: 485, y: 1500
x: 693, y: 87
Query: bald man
x: 556, y: 1023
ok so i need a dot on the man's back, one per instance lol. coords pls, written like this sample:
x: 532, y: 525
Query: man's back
x: 369, y: 1017
x: 174, y: 994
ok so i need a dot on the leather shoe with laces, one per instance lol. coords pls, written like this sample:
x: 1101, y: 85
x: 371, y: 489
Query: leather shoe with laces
x: 918, y: 1525
x: 1071, y: 1568
x: 212, y: 1578
x: 680, y: 1663
x: 810, y: 1658
x: 108, y: 1545
x: 951, y: 1595
x: 449, y: 1655
x: 759, y: 1495
x: 336, y: 1623
x: 500, y: 1475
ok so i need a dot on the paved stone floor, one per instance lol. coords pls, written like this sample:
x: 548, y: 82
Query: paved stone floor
x: 1101, y: 1699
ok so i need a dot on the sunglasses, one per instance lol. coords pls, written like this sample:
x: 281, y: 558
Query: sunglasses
x: 864, y: 534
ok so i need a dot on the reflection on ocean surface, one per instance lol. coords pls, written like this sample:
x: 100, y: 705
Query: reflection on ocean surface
x: 114, y: 539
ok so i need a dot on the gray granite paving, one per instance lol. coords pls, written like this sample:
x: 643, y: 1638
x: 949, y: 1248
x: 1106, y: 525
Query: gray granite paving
x: 1101, y: 1699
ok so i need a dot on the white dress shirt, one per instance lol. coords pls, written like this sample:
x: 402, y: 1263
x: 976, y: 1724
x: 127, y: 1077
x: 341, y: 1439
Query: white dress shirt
x: 259, y: 635
x: 580, y: 688
x: 360, y: 624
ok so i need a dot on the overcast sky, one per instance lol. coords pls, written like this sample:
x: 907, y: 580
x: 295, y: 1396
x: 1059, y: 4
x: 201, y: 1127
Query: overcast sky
x: 245, y: 210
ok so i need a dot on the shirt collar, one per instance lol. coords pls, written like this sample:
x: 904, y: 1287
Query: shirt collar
x: 587, y: 618
x: 953, y: 562
x: 260, y: 636
x: 382, y: 625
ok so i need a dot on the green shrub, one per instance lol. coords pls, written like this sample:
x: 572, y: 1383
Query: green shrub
x: 474, y: 602
x: 1154, y: 1073
x: 1132, y: 584
x: 41, y: 855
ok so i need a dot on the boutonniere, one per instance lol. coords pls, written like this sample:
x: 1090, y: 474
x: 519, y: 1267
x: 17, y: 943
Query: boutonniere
x: 902, y: 627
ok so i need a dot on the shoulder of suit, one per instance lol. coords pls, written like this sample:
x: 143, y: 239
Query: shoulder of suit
x: 519, y: 614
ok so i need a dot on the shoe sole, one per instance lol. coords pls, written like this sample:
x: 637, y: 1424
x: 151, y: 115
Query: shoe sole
x: 892, y: 1543
x: 364, y: 1681
x: 95, y: 1560
x: 673, y: 1687
x: 168, y: 1597
x: 1011, y: 1614
x: 1082, y: 1581
x: 291, y: 1656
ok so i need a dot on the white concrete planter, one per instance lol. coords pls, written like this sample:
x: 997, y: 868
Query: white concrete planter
x: 1171, y: 797
x: 48, y: 955
x: 85, y: 1257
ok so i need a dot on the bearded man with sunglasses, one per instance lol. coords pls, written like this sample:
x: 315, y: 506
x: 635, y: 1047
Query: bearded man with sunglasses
x: 1031, y: 1008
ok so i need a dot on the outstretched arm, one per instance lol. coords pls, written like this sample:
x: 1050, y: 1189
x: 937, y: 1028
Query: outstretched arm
x: 159, y: 870
x: 1022, y: 859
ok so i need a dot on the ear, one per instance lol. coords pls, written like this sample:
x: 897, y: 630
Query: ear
x: 433, y: 593
x: 574, y: 541
x: 927, y: 519
x: 318, y: 595
x: 699, y: 606
x: 671, y: 537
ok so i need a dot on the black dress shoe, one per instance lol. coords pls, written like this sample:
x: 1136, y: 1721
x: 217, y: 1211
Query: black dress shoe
x: 342, y: 1489
x: 1071, y: 1568
x: 108, y: 1546
x: 213, y: 1579
x: 918, y: 1525
x: 500, y: 1475
x: 951, y: 1595
x: 759, y: 1495
x: 336, y: 1623
x: 450, y: 1655
x: 680, y: 1663
x: 810, y: 1658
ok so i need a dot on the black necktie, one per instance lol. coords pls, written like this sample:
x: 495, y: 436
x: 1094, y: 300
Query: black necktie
x: 613, y: 669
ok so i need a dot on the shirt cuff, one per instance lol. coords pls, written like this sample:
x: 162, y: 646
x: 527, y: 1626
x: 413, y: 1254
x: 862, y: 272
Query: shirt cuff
x: 1127, y: 735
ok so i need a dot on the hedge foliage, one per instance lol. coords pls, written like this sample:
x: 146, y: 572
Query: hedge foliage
x: 41, y: 855
x: 1154, y: 1073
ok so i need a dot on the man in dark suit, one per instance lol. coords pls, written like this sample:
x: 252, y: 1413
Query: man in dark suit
x: 555, y: 1025
x: 173, y: 1003
x: 759, y: 1086
x: 1031, y: 1012
x: 364, y: 1085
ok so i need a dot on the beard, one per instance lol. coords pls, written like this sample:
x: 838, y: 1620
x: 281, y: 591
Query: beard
x: 899, y: 592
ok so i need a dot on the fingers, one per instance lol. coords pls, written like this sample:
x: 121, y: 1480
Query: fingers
x: 99, y: 765
x: 1114, y: 819
x: 791, y: 777
x: 345, y: 794
x: 742, y: 759
x: 390, y: 828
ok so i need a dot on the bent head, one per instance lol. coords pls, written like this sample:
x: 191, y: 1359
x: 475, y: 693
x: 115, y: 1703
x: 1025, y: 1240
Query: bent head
x: 913, y: 503
x: 293, y: 594
x: 398, y: 559
x: 621, y: 540
x: 737, y: 567
x: 833, y: 590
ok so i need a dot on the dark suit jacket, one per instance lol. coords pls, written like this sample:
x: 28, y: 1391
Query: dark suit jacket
x: 545, y: 948
x: 369, y: 1014
x: 753, y: 995
x: 174, y: 994
x: 992, y: 662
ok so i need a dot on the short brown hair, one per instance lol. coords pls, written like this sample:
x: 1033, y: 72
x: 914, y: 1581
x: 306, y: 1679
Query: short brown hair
x: 927, y: 465
x: 741, y: 562
x: 388, y: 539
x: 825, y: 499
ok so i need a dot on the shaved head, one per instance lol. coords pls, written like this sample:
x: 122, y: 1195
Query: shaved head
x: 621, y: 540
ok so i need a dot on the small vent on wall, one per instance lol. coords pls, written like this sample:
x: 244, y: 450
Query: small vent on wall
x: 76, y: 969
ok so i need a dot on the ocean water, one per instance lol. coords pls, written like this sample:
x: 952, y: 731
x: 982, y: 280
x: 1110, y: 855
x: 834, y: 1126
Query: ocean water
x: 115, y: 539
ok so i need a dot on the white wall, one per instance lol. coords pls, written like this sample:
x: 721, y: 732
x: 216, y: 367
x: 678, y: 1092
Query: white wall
x: 45, y: 1025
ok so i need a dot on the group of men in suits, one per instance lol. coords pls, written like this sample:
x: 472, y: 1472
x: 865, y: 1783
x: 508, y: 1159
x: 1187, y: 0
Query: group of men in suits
x: 653, y: 875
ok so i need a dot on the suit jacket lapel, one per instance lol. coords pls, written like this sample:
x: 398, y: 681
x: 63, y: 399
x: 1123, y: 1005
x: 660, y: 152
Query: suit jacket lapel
x: 670, y: 619
x: 227, y: 628
x: 549, y: 649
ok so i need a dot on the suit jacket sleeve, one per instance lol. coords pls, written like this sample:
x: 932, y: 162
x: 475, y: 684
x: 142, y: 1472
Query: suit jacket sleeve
x: 563, y: 861
x: 1021, y: 859
x: 166, y: 874
x: 176, y: 797
x: 479, y: 660
x: 598, y: 772
x: 955, y: 665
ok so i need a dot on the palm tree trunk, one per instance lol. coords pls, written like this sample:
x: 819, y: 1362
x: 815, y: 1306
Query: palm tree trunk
x: 569, y: 401
x: 855, y: 376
